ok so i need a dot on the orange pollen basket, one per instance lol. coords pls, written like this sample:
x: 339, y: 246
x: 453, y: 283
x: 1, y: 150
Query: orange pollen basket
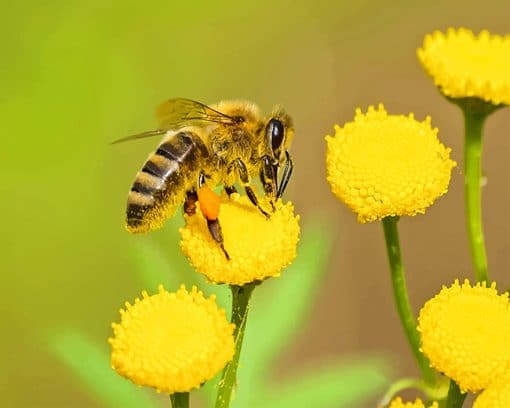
x: 209, y: 203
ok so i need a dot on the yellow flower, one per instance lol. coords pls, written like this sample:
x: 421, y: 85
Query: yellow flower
x: 465, y: 332
x: 496, y: 395
x: 258, y: 247
x: 384, y: 165
x: 398, y: 403
x: 464, y: 65
x: 173, y: 342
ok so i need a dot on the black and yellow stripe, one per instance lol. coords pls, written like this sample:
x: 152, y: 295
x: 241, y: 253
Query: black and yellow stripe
x: 162, y: 183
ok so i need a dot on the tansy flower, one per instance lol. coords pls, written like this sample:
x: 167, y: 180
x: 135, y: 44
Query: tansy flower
x: 496, y: 395
x: 464, y: 65
x: 384, y: 165
x: 173, y: 342
x: 258, y: 247
x: 398, y: 403
x: 465, y: 332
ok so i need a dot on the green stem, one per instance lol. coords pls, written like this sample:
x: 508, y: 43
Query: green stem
x: 240, y: 299
x: 473, y: 123
x: 455, y: 398
x: 402, y: 300
x: 180, y: 400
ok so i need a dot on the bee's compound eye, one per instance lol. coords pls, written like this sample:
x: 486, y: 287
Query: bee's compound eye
x: 275, y: 131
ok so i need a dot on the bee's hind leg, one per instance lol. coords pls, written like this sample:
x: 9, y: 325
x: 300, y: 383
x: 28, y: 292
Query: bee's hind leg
x: 210, y: 208
x: 190, y: 203
x: 245, y: 181
x: 215, y: 231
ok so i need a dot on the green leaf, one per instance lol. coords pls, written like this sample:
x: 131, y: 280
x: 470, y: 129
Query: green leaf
x: 168, y: 267
x: 172, y: 269
x: 337, y: 385
x: 281, y: 306
x: 154, y: 267
x: 91, y: 364
x: 269, y: 329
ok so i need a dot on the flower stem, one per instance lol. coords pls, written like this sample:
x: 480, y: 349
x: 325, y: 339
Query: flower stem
x: 473, y: 125
x: 401, y: 298
x: 455, y: 398
x: 180, y: 400
x: 240, y: 299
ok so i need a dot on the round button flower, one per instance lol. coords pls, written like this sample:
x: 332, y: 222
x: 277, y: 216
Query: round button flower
x: 464, y: 65
x: 383, y: 165
x: 173, y: 342
x: 496, y: 395
x: 398, y: 403
x: 465, y: 332
x: 258, y: 247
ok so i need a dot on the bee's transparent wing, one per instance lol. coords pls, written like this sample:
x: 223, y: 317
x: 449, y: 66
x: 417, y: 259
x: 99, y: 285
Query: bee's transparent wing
x: 179, y: 112
x: 143, y: 135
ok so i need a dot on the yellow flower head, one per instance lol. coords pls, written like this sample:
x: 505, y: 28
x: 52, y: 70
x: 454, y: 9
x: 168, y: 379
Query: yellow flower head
x: 464, y: 65
x: 384, y: 165
x: 496, y: 395
x: 173, y: 342
x: 465, y: 332
x: 258, y: 247
x: 398, y: 403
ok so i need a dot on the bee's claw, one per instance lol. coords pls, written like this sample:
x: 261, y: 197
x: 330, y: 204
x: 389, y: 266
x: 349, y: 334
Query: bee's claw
x: 264, y: 213
x: 225, y: 252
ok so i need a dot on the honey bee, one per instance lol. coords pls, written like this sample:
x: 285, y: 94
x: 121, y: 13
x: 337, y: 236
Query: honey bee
x: 213, y: 145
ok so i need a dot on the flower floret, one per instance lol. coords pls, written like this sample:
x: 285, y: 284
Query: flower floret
x: 384, y: 165
x: 496, y: 395
x: 418, y: 403
x: 465, y: 65
x: 173, y: 342
x: 258, y: 247
x: 465, y: 332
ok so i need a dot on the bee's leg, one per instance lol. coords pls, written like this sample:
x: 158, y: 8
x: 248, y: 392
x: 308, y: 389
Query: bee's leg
x: 210, y: 208
x: 268, y: 179
x: 287, y: 172
x: 190, y: 203
x: 215, y: 231
x: 230, y: 190
x: 245, y: 180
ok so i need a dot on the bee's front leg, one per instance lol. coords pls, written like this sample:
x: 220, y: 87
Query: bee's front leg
x: 230, y: 190
x: 245, y: 181
x: 287, y: 172
x: 268, y: 179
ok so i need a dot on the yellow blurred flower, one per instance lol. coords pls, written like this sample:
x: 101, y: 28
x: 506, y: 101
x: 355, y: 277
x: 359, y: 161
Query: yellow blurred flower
x: 465, y: 332
x: 258, y: 247
x: 398, y: 403
x: 496, y: 395
x: 464, y: 65
x: 384, y: 165
x: 173, y: 342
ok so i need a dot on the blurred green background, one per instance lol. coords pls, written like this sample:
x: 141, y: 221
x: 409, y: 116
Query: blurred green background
x: 76, y: 75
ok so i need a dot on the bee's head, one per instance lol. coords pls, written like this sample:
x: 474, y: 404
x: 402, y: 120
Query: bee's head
x: 279, y: 132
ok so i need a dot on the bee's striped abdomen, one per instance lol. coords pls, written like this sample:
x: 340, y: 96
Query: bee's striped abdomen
x: 162, y: 183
